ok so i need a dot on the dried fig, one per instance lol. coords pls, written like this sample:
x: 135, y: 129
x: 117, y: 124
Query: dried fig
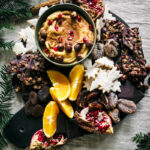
x: 126, y: 106
x: 111, y: 48
x: 28, y: 108
x: 98, y: 51
x: 114, y: 114
x: 37, y: 111
x: 109, y: 101
x: 95, y: 121
x: 33, y: 97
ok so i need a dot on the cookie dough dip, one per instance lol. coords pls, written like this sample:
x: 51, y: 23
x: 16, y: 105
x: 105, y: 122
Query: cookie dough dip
x: 66, y: 36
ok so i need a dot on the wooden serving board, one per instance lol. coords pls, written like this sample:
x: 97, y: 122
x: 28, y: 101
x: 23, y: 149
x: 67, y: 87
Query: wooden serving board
x: 20, y: 129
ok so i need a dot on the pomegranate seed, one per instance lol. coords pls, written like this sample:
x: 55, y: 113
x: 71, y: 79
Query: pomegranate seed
x: 60, y: 39
x: 70, y: 38
x: 72, y: 35
x: 56, y: 28
x: 91, y: 27
x: 60, y: 16
x: 123, y: 56
x: 50, y: 22
x: 79, y: 18
x: 54, y: 142
x: 84, y: 40
x: 45, y: 50
x: 55, y: 49
x: 97, y: 11
x: 70, y: 32
x: 46, y: 143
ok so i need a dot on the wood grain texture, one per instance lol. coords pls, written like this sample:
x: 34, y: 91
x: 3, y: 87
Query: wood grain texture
x: 137, y: 14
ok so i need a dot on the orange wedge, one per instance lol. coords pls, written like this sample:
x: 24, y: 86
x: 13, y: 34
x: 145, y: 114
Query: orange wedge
x: 65, y: 105
x: 61, y: 84
x: 76, y: 79
x: 50, y: 119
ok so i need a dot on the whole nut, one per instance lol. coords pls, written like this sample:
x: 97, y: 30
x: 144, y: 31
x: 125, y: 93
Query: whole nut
x: 79, y: 56
x: 124, y: 78
x: 43, y: 33
x: 42, y: 41
x: 68, y: 47
x: 89, y: 43
x: 51, y: 56
x: 59, y: 59
x: 126, y: 106
x: 78, y: 47
x: 60, y: 47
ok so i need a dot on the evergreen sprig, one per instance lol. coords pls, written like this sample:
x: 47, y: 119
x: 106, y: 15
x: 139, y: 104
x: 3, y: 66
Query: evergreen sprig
x: 6, y: 95
x: 142, y: 141
x: 11, y: 10
x: 6, y: 45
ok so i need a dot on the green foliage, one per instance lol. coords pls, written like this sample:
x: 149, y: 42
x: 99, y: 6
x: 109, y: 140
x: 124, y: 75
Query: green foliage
x: 142, y: 141
x: 10, y: 11
x: 6, y: 45
x: 6, y: 95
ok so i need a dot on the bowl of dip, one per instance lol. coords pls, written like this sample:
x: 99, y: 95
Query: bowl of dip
x: 65, y: 35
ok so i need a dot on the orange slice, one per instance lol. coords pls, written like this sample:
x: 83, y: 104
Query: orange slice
x: 50, y: 119
x: 76, y: 79
x: 65, y: 105
x: 61, y: 84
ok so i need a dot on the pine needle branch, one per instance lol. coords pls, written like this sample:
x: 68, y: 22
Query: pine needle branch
x: 6, y: 95
x: 142, y: 141
x: 6, y: 45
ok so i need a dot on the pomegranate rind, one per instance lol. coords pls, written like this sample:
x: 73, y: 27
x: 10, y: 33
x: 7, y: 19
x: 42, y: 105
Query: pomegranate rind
x: 87, y: 8
x: 35, y: 140
x: 89, y: 126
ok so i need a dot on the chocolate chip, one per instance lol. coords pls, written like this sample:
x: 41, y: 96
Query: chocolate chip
x: 42, y: 41
x: 78, y: 47
x: 60, y: 47
x: 43, y: 33
x: 37, y: 111
x: 28, y: 108
x: 43, y: 94
x: 33, y: 97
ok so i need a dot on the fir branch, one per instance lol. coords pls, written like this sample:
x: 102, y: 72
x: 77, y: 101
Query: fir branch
x: 142, y: 141
x: 6, y: 45
x: 6, y: 95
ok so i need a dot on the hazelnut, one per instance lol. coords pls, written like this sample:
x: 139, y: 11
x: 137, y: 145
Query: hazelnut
x: 68, y: 47
x: 43, y: 33
x: 59, y: 59
x: 51, y: 56
x: 79, y: 56
x: 78, y: 47
x: 42, y: 41
x: 89, y: 43
x: 124, y: 78
x: 60, y: 47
